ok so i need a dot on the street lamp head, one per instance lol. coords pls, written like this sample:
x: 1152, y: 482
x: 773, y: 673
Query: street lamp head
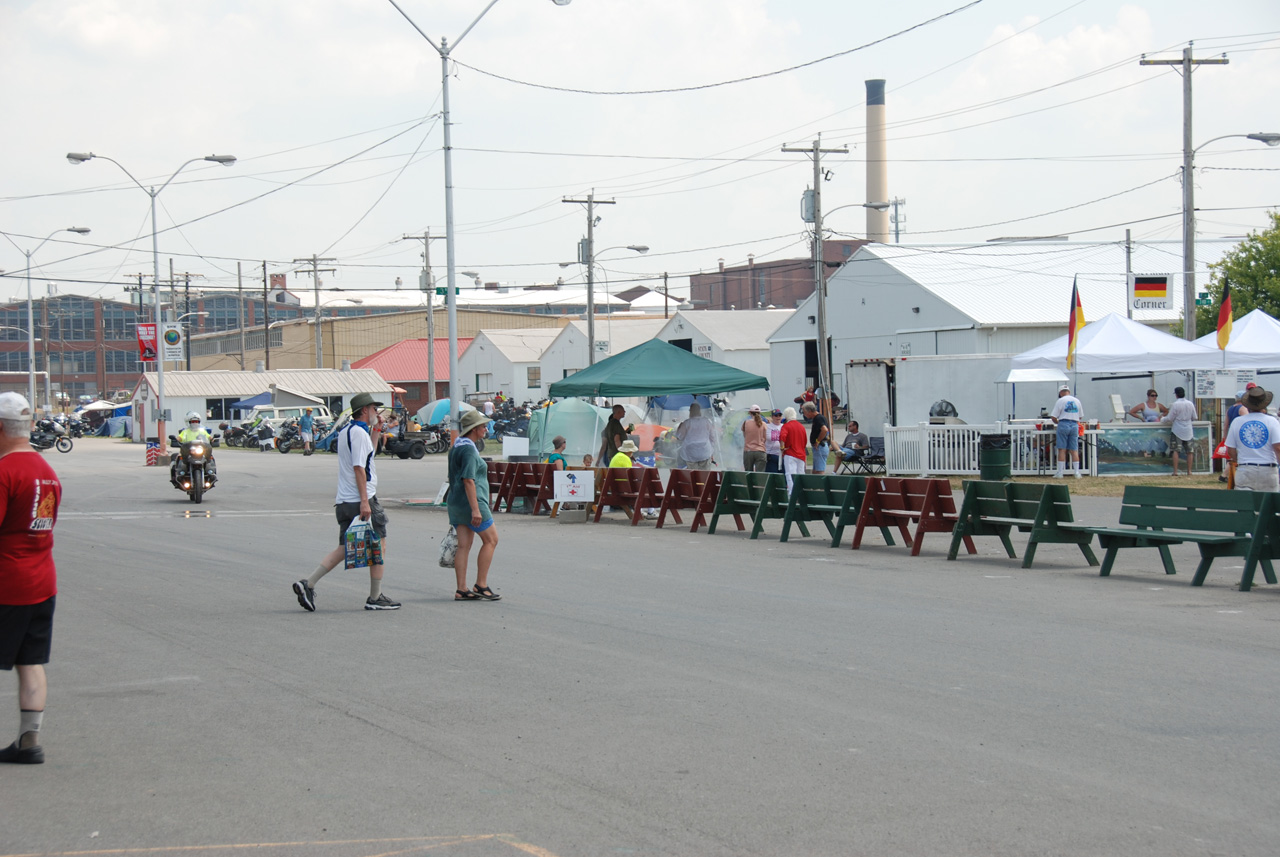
x: 79, y: 230
x: 639, y: 248
x: 79, y: 157
x: 877, y: 206
x: 1269, y: 139
x: 225, y: 160
x: 562, y: 2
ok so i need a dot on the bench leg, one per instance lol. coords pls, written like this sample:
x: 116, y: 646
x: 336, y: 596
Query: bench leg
x: 1029, y: 555
x: 1108, y: 560
x: 1246, y: 577
x: 1008, y: 545
x: 1167, y: 559
x: 1202, y: 570
x: 1268, y: 571
x: 1088, y: 553
x: 786, y: 529
x: 954, y: 550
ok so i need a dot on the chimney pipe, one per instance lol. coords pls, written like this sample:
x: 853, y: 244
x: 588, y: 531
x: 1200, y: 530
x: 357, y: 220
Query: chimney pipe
x: 259, y: 366
x: 877, y: 166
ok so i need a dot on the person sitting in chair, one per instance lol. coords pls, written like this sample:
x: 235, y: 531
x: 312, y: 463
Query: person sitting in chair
x: 854, y: 445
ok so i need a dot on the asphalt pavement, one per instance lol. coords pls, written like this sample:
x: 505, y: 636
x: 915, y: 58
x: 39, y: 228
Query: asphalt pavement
x: 635, y: 691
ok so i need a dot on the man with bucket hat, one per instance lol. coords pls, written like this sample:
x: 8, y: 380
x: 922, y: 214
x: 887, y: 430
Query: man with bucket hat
x: 357, y: 497
x: 1253, y: 443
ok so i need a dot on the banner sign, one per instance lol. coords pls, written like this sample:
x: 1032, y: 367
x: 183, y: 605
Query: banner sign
x: 173, y: 340
x: 1222, y: 383
x: 1150, y: 291
x: 147, y: 342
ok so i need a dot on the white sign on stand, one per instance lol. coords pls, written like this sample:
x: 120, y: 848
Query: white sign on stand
x: 1222, y: 383
x: 574, y: 486
x: 512, y: 445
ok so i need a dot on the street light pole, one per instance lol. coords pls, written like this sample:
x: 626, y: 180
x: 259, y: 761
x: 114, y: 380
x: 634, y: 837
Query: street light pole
x: 1189, y: 225
x: 444, y: 49
x: 153, y: 192
x: 31, y: 328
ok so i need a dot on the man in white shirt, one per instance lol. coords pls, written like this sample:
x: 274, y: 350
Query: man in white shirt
x: 697, y: 439
x: 1066, y: 415
x: 1253, y: 442
x: 357, y: 497
x: 1181, y: 414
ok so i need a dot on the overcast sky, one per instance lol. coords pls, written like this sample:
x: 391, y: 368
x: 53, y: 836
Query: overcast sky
x: 998, y: 113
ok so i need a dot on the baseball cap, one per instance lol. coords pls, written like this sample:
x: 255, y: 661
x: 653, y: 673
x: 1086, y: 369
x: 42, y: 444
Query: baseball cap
x: 14, y: 406
x: 754, y: 409
x: 1065, y: 388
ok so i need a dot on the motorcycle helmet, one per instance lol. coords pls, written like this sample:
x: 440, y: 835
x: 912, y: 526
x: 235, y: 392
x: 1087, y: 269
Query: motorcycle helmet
x: 193, y: 417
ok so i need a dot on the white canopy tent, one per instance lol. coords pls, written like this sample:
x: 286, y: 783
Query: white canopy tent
x: 1117, y: 344
x: 1254, y: 343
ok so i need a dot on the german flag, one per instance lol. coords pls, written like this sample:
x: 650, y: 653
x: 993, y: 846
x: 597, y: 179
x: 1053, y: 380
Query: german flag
x: 1151, y: 287
x: 1224, y: 316
x: 1074, y: 324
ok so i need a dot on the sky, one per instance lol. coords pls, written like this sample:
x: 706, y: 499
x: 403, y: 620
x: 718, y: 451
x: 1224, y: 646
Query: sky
x: 1000, y: 113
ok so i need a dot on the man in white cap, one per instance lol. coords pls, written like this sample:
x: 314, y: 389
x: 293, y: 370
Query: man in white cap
x: 357, y: 497
x: 1066, y: 415
x: 29, y: 498
x: 1253, y: 443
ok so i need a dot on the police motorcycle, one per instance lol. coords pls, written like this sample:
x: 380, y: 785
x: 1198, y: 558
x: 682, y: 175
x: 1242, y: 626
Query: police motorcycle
x: 191, y: 468
x: 290, y: 436
x: 47, y: 434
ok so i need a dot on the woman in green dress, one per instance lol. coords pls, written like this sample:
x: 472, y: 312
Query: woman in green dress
x: 469, y: 511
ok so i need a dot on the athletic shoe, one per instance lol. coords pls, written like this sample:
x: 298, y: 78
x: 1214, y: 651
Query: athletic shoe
x: 306, y: 595
x: 29, y: 756
x: 382, y: 602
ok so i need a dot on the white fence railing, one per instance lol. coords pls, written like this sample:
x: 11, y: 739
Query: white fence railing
x: 950, y: 450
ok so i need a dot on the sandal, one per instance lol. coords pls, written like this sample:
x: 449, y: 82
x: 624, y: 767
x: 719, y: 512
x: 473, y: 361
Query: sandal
x: 486, y: 593
x: 464, y: 595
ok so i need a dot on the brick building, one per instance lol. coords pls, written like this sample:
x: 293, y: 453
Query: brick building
x: 782, y: 283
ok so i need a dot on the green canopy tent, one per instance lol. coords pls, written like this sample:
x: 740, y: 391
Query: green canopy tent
x: 655, y: 368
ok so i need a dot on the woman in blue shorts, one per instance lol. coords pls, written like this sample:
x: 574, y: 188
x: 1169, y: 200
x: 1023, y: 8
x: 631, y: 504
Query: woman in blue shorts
x: 469, y: 509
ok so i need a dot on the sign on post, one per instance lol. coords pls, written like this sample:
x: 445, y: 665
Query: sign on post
x: 1150, y: 291
x: 574, y: 486
x: 147, y: 343
x: 173, y: 337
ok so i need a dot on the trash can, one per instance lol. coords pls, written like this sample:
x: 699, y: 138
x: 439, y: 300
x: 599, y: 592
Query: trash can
x: 995, y: 457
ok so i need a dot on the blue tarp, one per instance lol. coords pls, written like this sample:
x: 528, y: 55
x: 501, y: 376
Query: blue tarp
x: 250, y: 404
x: 115, y: 427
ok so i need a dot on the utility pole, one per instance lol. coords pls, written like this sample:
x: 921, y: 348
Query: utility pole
x: 1128, y: 273
x: 666, y: 297
x: 425, y: 283
x: 815, y: 152
x: 240, y: 311
x: 266, y: 317
x: 1184, y: 67
x: 315, y: 283
x: 897, y: 218
x: 589, y: 259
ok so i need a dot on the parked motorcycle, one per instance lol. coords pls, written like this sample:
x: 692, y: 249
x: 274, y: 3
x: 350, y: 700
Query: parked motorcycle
x: 189, y: 468
x: 290, y: 437
x: 48, y: 433
x: 436, y: 439
x: 234, y: 435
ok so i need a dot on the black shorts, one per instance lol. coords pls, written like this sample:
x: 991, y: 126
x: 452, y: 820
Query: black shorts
x: 348, y: 512
x: 26, y: 634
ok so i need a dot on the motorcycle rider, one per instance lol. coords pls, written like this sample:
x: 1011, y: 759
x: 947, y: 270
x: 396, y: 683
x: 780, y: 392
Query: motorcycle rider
x: 193, y: 432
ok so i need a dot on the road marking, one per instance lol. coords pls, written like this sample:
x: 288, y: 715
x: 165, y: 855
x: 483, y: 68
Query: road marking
x: 1230, y: 611
x: 193, y: 514
x: 415, y: 844
x: 997, y: 576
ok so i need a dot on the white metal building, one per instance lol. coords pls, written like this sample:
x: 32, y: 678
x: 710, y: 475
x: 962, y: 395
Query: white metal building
x: 212, y: 391
x: 737, y: 338
x: 567, y: 353
x: 506, y: 361
x: 910, y: 308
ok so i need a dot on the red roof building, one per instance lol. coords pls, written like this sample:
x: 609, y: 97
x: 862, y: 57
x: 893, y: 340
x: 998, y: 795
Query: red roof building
x: 405, y: 365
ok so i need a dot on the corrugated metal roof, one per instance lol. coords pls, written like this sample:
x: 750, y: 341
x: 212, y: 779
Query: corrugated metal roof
x: 222, y: 383
x: 468, y: 298
x: 1029, y: 282
x: 407, y: 360
x: 625, y: 333
x: 521, y: 345
x: 737, y: 330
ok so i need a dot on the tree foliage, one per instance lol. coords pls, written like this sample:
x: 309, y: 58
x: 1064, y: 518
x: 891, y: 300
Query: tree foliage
x: 1253, y: 269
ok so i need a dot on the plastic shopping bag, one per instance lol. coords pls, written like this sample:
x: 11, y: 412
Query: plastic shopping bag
x: 359, y: 536
x: 448, y: 548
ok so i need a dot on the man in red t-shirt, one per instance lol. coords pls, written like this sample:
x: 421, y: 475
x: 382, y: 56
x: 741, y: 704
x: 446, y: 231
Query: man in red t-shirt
x: 29, y: 498
x: 794, y: 440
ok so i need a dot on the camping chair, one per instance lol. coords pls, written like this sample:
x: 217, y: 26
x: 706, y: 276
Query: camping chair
x: 872, y: 461
x: 849, y: 464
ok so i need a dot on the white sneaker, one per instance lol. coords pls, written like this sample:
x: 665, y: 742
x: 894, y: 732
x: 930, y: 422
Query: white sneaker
x: 1078, y: 475
x: 1057, y: 476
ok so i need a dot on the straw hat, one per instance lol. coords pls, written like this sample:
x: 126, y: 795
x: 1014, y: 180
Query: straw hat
x: 628, y: 446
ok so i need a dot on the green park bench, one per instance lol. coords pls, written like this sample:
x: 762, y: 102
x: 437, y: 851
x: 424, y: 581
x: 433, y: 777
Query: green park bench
x: 996, y: 508
x: 763, y: 496
x: 1266, y: 542
x: 833, y: 500
x: 1220, y: 523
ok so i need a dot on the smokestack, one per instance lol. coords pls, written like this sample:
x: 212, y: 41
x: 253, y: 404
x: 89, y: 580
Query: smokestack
x: 877, y: 166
